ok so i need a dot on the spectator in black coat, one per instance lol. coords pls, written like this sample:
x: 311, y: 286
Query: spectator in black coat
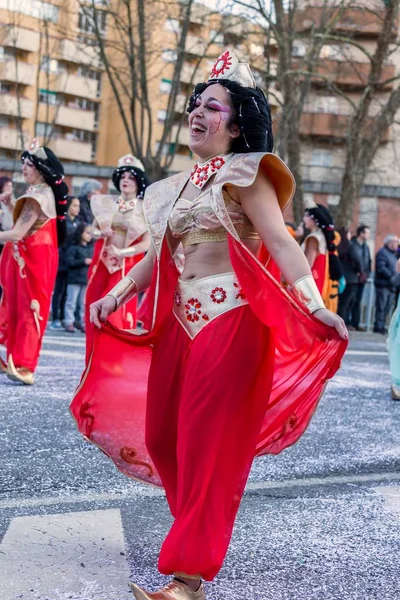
x: 88, y: 189
x: 385, y: 281
x: 77, y: 258
x: 72, y: 221
x: 356, y: 265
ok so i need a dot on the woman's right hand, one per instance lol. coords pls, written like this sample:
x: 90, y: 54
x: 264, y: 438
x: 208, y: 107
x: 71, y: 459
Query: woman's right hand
x: 106, y: 233
x: 100, y: 310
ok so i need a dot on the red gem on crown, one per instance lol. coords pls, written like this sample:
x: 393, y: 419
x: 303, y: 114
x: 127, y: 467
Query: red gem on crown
x: 223, y: 63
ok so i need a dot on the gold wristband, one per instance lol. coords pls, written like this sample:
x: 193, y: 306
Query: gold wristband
x: 305, y: 289
x: 129, y: 251
x: 124, y: 291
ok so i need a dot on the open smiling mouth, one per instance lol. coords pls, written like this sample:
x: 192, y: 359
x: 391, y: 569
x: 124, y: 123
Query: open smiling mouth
x: 196, y: 129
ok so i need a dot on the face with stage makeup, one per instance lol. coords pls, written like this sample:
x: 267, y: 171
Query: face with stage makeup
x: 211, y: 125
x: 31, y: 174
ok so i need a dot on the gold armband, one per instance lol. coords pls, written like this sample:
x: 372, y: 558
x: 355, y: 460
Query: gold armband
x: 129, y: 251
x: 124, y: 291
x: 305, y: 289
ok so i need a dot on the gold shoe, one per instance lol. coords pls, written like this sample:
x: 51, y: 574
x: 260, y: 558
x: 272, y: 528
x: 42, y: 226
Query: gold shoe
x: 395, y: 391
x: 175, y: 590
x: 19, y: 374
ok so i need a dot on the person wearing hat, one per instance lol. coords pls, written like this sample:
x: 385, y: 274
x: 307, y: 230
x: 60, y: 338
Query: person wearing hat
x: 122, y: 239
x: 320, y: 248
x: 29, y: 261
x: 233, y: 364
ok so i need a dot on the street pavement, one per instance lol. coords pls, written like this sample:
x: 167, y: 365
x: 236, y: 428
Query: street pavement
x: 321, y: 521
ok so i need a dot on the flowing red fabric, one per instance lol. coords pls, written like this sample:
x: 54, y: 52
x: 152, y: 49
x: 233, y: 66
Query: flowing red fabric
x: 110, y: 404
x: 319, y: 272
x: 28, y: 272
x: 102, y: 281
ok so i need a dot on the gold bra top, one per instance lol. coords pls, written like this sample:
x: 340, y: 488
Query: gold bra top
x: 121, y: 220
x: 194, y: 221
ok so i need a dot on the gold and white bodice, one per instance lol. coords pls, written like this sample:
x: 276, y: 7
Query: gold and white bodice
x: 195, y: 222
x: 125, y: 218
x: 319, y: 237
x: 43, y: 195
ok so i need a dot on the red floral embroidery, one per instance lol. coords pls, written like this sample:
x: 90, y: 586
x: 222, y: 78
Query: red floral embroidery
x: 201, y: 173
x: 218, y: 295
x: 192, y: 310
x: 240, y: 293
x: 205, y: 318
x: 223, y: 63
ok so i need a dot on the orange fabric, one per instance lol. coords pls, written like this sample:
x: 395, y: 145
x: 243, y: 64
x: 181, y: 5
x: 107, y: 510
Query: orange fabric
x: 28, y: 285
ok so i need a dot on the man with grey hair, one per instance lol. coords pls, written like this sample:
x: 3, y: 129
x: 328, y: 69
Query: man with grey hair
x: 88, y: 188
x: 385, y: 281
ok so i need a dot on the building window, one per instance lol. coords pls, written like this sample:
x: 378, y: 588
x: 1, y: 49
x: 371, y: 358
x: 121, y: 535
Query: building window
x: 321, y: 158
x: 170, y: 55
x: 49, y: 65
x: 5, y: 88
x: 90, y: 20
x: 172, y: 25
x: 161, y: 116
x: 165, y: 86
x: 216, y: 37
x: 48, y: 97
x: 42, y: 129
x: 299, y: 49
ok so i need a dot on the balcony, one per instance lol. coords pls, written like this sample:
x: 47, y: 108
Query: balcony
x: 181, y: 103
x: 195, y: 45
x: 77, y: 86
x: 330, y: 126
x: 183, y: 137
x: 10, y: 139
x: 21, y: 38
x: 358, y: 22
x: 22, y: 72
x: 188, y: 73
x: 75, y: 118
x: 79, y: 53
x: 199, y: 14
x: 9, y: 106
x: 72, y: 149
x: 352, y: 74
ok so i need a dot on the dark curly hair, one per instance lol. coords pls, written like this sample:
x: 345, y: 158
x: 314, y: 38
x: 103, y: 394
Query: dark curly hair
x: 139, y: 175
x: 53, y: 173
x: 324, y: 220
x: 252, y: 114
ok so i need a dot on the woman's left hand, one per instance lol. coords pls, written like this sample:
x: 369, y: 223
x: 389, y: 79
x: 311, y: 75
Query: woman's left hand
x: 332, y: 320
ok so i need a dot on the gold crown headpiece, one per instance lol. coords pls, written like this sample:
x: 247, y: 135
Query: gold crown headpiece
x: 130, y: 161
x: 227, y: 66
x: 37, y: 150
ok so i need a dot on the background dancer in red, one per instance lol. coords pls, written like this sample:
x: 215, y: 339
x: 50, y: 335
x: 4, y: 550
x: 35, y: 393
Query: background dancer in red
x: 122, y: 240
x: 233, y: 364
x: 29, y: 261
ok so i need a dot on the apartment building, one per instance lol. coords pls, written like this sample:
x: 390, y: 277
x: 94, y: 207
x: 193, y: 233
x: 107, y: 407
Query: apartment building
x: 54, y: 86
x: 325, y: 119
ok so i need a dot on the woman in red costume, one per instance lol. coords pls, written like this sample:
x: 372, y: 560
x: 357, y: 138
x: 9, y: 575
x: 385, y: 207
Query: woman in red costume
x: 320, y: 248
x: 122, y: 240
x: 29, y: 261
x: 233, y: 364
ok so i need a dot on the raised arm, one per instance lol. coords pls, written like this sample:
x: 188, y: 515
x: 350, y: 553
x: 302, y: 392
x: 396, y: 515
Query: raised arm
x: 29, y: 214
x: 261, y: 205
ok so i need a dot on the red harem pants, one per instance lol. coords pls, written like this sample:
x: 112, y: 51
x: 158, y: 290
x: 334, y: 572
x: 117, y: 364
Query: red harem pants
x: 206, y: 402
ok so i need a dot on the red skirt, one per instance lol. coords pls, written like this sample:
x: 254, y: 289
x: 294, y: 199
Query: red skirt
x: 28, y: 272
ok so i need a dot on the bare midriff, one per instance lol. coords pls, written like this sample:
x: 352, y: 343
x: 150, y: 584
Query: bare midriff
x: 117, y: 239
x: 203, y: 260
